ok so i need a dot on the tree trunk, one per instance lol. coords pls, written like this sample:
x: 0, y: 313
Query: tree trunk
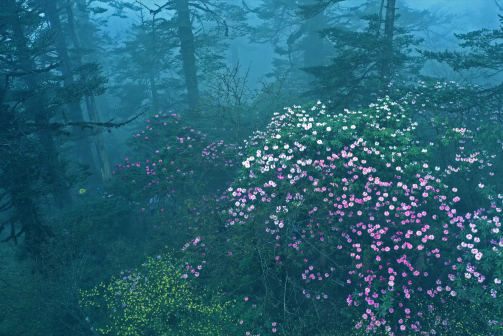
x: 153, y: 88
x: 314, y: 53
x: 35, y: 106
x: 20, y: 180
x: 388, y: 43
x: 75, y: 113
x: 100, y: 156
x: 188, y: 52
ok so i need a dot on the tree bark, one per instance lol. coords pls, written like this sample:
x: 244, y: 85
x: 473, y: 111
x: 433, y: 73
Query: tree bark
x: 314, y: 53
x: 188, y: 52
x: 35, y: 106
x: 101, y: 156
x: 388, y: 43
x: 75, y: 113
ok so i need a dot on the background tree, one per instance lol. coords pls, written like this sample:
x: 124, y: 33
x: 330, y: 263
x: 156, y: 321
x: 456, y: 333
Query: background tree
x: 32, y: 169
x: 334, y: 48
x: 173, y: 188
x: 70, y: 93
x: 370, y: 58
x: 83, y: 35
x: 199, y: 46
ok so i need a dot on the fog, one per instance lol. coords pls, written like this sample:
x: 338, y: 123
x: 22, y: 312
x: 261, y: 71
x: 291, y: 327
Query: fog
x: 251, y: 167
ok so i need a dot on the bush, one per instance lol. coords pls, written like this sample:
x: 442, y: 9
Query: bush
x: 161, y: 299
x: 357, y: 190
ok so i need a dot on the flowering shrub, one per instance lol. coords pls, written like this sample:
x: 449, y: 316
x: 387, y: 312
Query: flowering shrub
x: 175, y: 162
x: 465, y: 128
x: 160, y: 300
x: 357, y: 183
x: 359, y: 191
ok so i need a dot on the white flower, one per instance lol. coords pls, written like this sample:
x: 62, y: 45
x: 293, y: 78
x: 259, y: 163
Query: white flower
x: 319, y: 142
x: 329, y: 129
x: 353, y: 126
x: 278, y: 136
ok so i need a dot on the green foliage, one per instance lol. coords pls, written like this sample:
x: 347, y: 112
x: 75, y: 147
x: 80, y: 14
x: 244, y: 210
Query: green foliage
x: 160, y: 300
x: 89, y: 241
x: 465, y: 128
x: 360, y: 57
x: 331, y: 175
x: 485, y: 49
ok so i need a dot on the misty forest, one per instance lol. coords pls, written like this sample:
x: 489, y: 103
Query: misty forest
x: 251, y: 167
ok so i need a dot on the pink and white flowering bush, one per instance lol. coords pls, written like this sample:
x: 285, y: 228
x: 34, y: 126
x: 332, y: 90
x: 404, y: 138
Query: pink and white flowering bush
x: 358, y: 189
x: 367, y: 190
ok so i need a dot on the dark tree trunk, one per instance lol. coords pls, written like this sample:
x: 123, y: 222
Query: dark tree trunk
x: 188, y: 52
x: 388, y: 43
x: 32, y: 156
x: 153, y: 88
x: 314, y: 54
x: 36, y: 107
x: 100, y: 155
x: 83, y: 144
